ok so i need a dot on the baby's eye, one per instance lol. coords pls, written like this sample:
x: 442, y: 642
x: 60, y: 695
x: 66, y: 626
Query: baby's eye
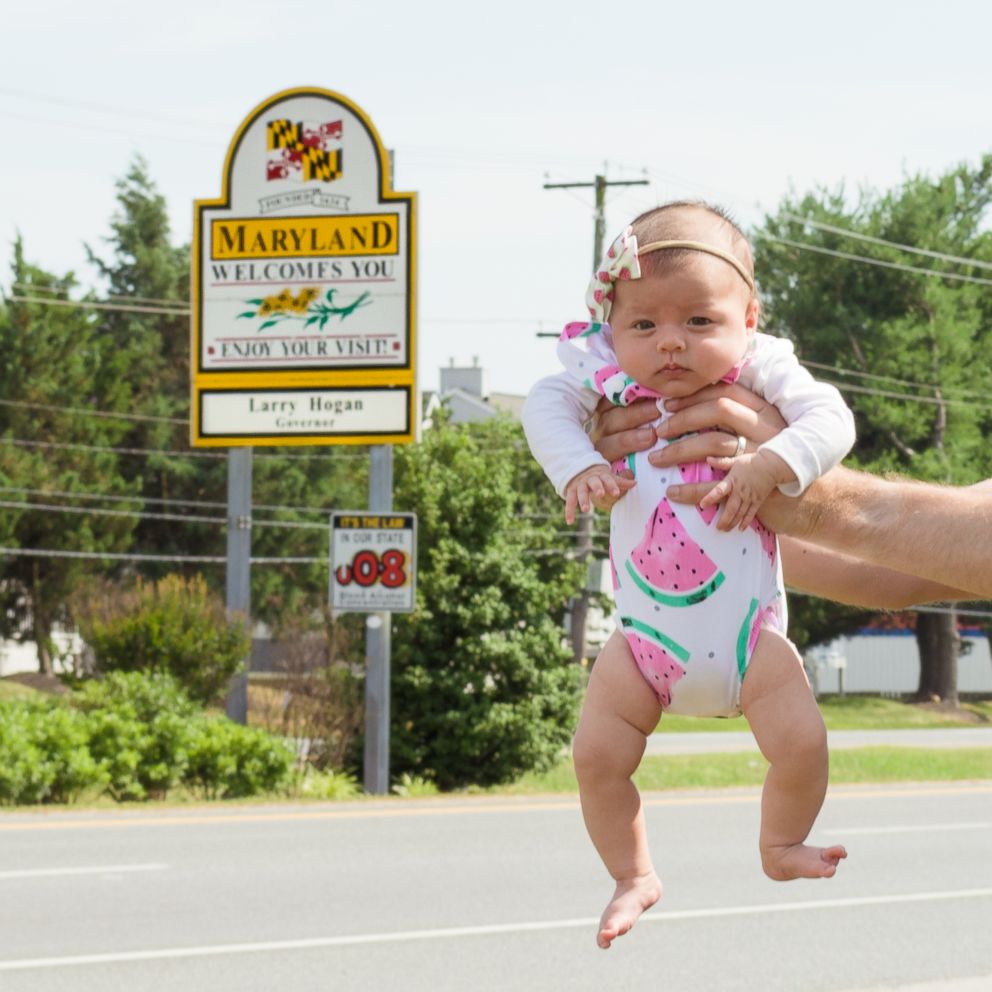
x: 643, y: 325
x: 699, y: 321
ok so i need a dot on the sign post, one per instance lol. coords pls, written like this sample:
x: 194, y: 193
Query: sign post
x: 374, y: 571
x: 303, y: 302
x: 238, y: 563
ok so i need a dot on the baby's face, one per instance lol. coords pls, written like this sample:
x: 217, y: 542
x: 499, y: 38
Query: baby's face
x: 682, y: 330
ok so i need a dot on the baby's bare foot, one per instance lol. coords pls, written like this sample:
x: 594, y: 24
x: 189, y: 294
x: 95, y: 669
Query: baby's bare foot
x: 801, y: 861
x: 631, y: 898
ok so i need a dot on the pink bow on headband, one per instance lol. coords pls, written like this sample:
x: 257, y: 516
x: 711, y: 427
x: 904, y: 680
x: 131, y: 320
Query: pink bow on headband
x: 620, y: 262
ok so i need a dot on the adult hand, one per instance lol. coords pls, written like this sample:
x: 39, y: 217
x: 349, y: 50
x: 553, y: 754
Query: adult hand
x: 617, y: 431
x: 724, y: 412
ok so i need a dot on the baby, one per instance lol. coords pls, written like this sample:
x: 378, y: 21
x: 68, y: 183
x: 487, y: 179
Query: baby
x: 700, y: 606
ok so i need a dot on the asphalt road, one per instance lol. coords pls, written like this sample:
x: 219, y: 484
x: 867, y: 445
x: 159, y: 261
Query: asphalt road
x: 488, y: 894
x: 725, y: 741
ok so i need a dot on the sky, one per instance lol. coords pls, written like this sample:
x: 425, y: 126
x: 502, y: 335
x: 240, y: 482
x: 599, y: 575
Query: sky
x: 736, y: 103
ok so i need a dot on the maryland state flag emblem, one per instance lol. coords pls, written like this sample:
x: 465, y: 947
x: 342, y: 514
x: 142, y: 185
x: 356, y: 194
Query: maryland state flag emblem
x: 303, y: 150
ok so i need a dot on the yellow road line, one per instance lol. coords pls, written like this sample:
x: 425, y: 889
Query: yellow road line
x: 443, y: 807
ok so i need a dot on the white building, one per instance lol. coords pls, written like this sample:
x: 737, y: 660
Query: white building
x: 465, y: 392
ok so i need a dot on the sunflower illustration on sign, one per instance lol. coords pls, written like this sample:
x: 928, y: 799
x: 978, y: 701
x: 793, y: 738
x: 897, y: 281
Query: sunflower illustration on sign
x: 306, y: 305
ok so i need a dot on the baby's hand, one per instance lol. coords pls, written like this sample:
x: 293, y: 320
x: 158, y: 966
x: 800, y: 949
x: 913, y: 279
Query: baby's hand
x: 750, y: 480
x: 596, y: 486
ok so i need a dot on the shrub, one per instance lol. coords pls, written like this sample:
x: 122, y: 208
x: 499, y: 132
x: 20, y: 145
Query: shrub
x: 175, y: 625
x: 44, y: 755
x: 314, y: 784
x: 228, y: 761
x: 139, y: 731
x: 137, y: 736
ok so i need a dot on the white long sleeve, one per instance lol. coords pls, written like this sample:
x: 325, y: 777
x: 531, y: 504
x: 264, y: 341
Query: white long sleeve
x: 821, y: 427
x: 553, y: 415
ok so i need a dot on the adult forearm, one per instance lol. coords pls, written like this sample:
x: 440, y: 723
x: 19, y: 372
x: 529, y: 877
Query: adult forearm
x: 939, y: 533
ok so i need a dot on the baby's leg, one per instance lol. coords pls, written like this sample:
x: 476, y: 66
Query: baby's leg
x: 779, y: 706
x: 619, y: 711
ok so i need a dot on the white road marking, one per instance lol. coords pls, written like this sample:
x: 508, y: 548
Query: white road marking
x: 916, y: 828
x: 401, y: 936
x: 88, y: 870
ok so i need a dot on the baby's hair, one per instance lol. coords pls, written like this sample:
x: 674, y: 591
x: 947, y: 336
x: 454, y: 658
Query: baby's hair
x: 679, y: 221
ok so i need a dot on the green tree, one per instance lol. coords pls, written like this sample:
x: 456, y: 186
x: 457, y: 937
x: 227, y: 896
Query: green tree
x: 53, y: 357
x: 915, y: 346
x: 149, y: 279
x: 483, y: 688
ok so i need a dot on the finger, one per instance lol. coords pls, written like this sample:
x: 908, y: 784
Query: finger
x: 570, y: 501
x: 717, y: 494
x: 718, y: 390
x: 583, y: 492
x: 610, y: 419
x: 723, y: 414
x: 731, y: 513
x: 614, y: 447
x: 723, y: 464
x: 747, y: 516
x: 689, y: 493
x: 697, y: 448
x: 726, y: 413
x: 595, y: 487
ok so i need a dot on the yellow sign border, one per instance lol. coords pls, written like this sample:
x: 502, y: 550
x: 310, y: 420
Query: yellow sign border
x: 353, y: 378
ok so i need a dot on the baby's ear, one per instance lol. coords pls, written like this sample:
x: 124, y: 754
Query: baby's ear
x: 752, y: 315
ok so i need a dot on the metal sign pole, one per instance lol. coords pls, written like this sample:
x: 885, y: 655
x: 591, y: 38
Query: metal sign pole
x: 378, y: 627
x: 239, y: 565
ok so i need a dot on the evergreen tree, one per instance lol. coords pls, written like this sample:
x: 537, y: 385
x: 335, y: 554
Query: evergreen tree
x: 148, y: 274
x: 53, y: 357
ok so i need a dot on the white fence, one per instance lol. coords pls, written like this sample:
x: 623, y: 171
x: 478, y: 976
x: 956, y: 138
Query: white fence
x: 890, y: 664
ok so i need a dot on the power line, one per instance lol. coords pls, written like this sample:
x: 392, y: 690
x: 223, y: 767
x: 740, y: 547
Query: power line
x: 849, y: 387
x: 214, y: 504
x: 84, y: 412
x: 178, y: 312
x: 92, y: 305
x: 119, y: 556
x: 933, y: 273
x: 104, y: 129
x: 145, y: 452
x: 889, y: 378
x: 144, y: 515
x: 847, y: 233
x: 104, y: 108
x: 30, y: 287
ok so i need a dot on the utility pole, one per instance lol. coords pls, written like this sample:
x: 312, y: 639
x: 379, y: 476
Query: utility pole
x: 378, y: 643
x: 239, y: 567
x: 583, y: 544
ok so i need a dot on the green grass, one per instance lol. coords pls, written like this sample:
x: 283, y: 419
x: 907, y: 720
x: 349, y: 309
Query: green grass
x: 855, y: 713
x: 14, y: 690
x: 719, y: 771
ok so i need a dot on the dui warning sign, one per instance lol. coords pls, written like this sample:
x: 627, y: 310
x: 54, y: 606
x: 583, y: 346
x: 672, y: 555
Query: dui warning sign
x: 304, y: 282
x: 373, y: 562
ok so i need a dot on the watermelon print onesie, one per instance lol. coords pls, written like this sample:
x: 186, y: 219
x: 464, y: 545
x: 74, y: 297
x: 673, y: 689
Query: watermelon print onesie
x: 690, y: 599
